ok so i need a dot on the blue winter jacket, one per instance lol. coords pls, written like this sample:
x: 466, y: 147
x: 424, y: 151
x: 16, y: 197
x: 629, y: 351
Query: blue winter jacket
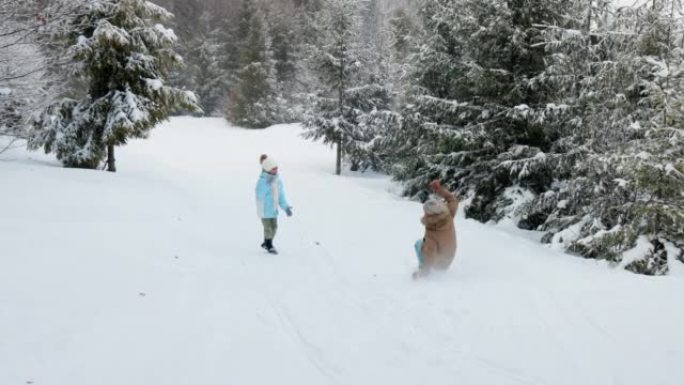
x: 267, y: 205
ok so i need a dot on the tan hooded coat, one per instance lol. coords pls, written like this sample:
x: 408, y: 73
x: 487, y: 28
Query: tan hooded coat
x: 439, y: 242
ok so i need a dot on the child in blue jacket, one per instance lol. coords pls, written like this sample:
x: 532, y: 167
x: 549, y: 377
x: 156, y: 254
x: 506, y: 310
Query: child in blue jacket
x: 270, y: 195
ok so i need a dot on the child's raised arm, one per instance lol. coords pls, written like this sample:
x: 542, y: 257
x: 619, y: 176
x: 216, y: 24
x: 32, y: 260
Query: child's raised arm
x: 451, y: 200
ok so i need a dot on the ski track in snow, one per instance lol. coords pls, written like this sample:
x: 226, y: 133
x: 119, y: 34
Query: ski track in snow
x: 154, y: 275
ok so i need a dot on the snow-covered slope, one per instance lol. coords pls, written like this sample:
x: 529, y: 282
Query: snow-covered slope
x: 154, y: 276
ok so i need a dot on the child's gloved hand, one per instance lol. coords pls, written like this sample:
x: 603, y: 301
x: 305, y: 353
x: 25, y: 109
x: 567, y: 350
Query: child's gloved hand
x: 288, y: 211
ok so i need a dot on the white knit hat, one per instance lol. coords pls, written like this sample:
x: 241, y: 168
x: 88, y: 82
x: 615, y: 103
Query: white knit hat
x: 269, y: 164
x: 434, y: 206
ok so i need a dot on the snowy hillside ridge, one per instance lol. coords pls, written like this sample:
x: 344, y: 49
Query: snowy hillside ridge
x: 154, y: 275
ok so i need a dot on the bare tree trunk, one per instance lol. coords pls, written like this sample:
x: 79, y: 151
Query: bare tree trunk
x: 111, y: 161
x: 589, y: 14
x: 340, y: 106
x: 338, y: 162
x: 667, y: 60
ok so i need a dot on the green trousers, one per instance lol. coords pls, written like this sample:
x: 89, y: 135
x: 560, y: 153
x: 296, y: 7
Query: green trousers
x: 270, y: 227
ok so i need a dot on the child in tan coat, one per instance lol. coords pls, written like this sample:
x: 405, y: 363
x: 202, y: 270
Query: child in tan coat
x: 437, y: 249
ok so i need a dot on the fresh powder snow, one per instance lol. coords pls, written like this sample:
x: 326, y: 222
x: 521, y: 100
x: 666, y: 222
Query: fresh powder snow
x: 154, y: 275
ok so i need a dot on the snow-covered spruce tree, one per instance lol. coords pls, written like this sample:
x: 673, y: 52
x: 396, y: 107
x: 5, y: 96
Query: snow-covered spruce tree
x: 228, y: 54
x: 15, y: 79
x: 370, y: 26
x: 645, y: 228
x: 403, y: 35
x: 186, y: 26
x: 372, y: 101
x: 368, y: 109
x: 402, y: 30
x: 123, y: 54
x: 473, y: 105
x: 306, y: 81
x: 395, y: 144
x: 335, y: 59
x: 26, y: 82
x: 11, y: 119
x: 208, y: 81
x: 286, y: 45
x: 352, y: 105
x: 617, y: 139
x: 254, y: 101
x: 654, y: 158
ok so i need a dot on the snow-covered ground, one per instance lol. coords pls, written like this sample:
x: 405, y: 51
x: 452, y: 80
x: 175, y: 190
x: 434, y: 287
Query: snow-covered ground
x: 154, y: 276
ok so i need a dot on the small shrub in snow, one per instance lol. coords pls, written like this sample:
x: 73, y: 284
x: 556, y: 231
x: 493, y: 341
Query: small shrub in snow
x: 253, y: 103
x: 653, y: 263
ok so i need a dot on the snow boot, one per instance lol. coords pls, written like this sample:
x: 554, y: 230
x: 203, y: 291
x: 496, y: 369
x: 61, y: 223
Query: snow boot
x: 421, y: 272
x: 268, y: 246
